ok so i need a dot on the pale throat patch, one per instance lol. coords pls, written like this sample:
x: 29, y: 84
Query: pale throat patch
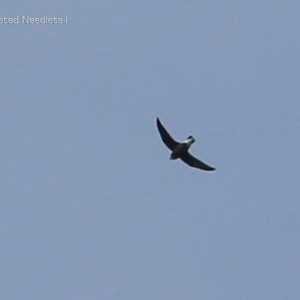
x: 189, y: 141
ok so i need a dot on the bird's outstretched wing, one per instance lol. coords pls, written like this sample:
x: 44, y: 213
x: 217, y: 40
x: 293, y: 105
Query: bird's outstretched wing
x: 194, y: 162
x: 165, y: 136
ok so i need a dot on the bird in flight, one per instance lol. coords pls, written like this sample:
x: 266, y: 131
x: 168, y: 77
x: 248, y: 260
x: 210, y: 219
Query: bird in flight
x: 180, y: 150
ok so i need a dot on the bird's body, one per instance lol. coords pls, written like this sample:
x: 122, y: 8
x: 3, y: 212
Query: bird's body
x: 180, y: 150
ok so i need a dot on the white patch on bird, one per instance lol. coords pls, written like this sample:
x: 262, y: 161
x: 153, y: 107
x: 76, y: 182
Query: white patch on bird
x: 189, y: 141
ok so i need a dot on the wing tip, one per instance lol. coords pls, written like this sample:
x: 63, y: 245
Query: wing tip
x: 208, y: 168
x: 159, y: 125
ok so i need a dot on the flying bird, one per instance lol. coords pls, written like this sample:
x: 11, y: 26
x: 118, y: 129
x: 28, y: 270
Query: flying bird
x: 180, y: 150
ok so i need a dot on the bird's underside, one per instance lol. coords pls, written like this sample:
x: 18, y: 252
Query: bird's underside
x: 180, y: 150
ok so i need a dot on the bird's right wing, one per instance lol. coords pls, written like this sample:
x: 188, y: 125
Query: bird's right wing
x: 165, y: 136
x: 195, y: 163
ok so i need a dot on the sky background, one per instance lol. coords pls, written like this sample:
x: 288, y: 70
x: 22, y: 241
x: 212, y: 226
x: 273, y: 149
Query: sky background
x: 91, y: 206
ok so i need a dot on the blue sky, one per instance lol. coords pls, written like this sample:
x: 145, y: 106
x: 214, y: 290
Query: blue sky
x: 91, y: 205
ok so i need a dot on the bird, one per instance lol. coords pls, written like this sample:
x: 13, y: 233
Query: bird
x: 180, y: 150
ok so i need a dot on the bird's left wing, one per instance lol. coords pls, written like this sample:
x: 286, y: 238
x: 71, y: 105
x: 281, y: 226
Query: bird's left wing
x: 165, y: 136
x: 195, y: 163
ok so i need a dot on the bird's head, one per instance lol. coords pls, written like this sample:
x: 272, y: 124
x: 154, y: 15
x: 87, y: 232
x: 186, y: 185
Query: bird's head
x: 190, y: 140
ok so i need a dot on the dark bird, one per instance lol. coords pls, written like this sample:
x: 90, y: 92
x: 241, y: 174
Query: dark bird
x: 180, y: 150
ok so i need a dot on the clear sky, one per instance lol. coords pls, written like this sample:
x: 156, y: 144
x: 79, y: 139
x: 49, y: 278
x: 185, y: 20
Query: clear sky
x: 91, y: 206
